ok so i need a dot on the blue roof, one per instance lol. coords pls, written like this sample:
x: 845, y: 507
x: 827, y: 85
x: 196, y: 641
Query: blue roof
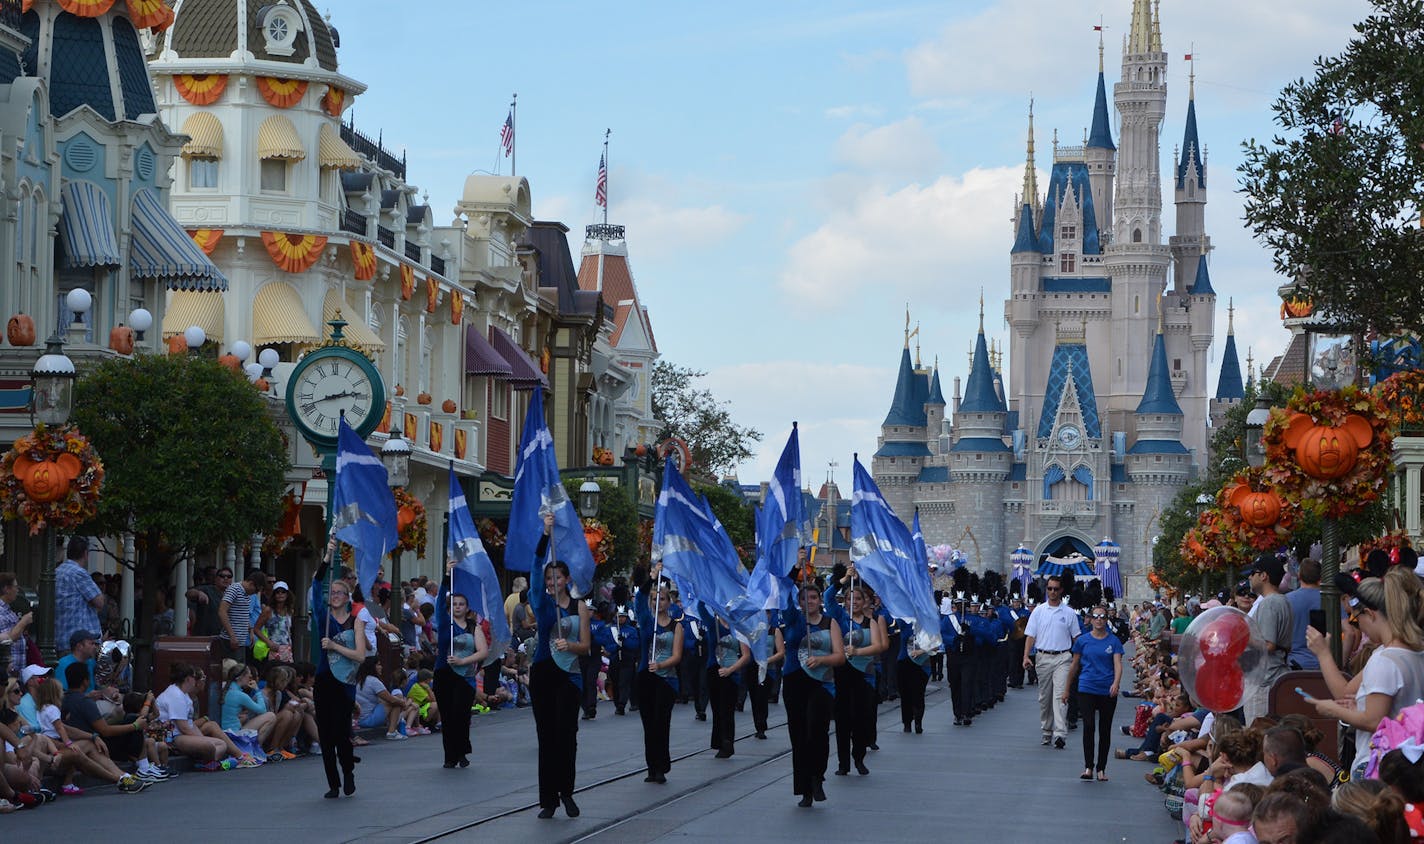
x: 936, y: 395
x: 1201, y: 286
x: 1070, y: 358
x: 908, y: 407
x: 1066, y: 174
x: 1100, y: 136
x: 903, y: 449
x: 1118, y: 474
x: 989, y: 444
x: 1158, y: 397
x: 1229, y: 386
x: 1018, y: 472
x: 1157, y: 447
x: 1191, y: 163
x: 934, y: 475
x: 1026, y: 240
x: 979, y: 395
x: 1077, y: 285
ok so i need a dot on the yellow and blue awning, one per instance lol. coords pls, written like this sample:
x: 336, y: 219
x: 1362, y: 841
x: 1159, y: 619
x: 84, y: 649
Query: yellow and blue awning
x: 88, y: 227
x: 162, y: 249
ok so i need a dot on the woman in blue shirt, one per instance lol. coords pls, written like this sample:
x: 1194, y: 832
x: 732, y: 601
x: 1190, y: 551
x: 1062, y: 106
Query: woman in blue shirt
x: 1097, y: 665
x: 813, y: 649
x: 343, y: 648
x: 661, y: 632
x: 462, y: 650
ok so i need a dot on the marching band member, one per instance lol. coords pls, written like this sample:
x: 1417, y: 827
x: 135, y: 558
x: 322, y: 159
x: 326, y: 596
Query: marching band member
x: 813, y: 648
x: 660, y: 626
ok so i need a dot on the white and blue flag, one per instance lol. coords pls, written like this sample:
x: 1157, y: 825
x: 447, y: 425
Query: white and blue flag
x: 782, y: 529
x: 539, y: 490
x: 474, y: 575
x: 364, y: 509
x: 885, y: 555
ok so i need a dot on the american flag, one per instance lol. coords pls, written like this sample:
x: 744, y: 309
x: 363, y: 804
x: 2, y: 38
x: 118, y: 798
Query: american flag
x: 600, y: 193
x: 506, y: 135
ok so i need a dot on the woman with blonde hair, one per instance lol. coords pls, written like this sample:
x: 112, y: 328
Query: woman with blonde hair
x: 1387, y: 610
x: 1375, y: 803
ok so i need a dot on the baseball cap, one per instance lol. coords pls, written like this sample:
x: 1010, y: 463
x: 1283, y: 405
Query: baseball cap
x: 30, y: 672
x: 281, y: 584
x: 1270, y: 565
x: 79, y: 636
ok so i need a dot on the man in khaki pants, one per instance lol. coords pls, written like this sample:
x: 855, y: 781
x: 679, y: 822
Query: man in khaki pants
x: 1048, y: 646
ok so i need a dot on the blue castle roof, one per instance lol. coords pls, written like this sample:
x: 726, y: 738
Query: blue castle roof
x: 1026, y: 240
x: 1229, y: 386
x: 979, y: 394
x: 1158, y: 397
x: 1100, y: 137
x: 1068, y: 174
x: 985, y: 444
x: 1201, y: 286
x: 908, y: 407
x: 903, y: 449
x: 1070, y: 359
x: 1191, y: 163
x: 936, y: 395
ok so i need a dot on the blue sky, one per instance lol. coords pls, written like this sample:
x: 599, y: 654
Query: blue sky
x: 792, y: 174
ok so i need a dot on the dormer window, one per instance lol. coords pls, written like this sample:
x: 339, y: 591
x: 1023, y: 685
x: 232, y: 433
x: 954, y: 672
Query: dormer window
x: 280, y: 25
x: 1067, y: 231
x: 1067, y: 262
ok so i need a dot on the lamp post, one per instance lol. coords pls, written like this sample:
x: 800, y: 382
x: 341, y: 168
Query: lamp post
x: 1332, y: 365
x: 395, y: 454
x: 589, y: 492
x: 1255, y: 427
x: 51, y: 402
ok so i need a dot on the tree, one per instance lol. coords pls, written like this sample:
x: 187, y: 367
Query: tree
x: 1337, y: 194
x: 192, y: 458
x: 695, y: 415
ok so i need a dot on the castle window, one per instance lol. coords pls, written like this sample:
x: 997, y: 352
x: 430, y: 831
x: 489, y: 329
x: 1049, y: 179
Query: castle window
x: 1137, y: 235
x: 1068, y: 231
x: 1066, y: 262
x: 1176, y: 363
x: 1136, y: 309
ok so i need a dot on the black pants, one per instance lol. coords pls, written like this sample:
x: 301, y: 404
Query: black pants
x: 1016, y: 669
x: 855, y: 715
x: 1103, y: 707
x: 589, y: 666
x: 937, y: 667
x: 1003, y: 652
x: 555, y: 698
x: 722, y: 695
x: 621, y: 670
x: 692, y: 675
x: 655, y: 697
x: 887, y: 684
x: 333, y: 700
x: 808, y: 722
x: 959, y: 672
x: 759, y: 692
x: 912, y: 680
x: 454, y: 695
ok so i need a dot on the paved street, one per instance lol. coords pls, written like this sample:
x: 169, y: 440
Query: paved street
x: 991, y: 781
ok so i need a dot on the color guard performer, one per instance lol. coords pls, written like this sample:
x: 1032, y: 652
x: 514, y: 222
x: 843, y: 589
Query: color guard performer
x: 856, y: 698
x: 813, y: 649
x: 659, y: 623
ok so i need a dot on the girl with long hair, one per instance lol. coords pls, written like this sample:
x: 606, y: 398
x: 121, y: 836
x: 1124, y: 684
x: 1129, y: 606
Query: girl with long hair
x: 655, y: 683
x: 463, y: 649
x: 813, y: 649
x: 343, y: 649
x: 865, y: 639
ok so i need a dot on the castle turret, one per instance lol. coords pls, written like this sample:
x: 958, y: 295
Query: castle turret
x: 1190, y: 244
x: 1229, y: 388
x: 934, y: 412
x: 1159, y: 421
x: 979, y: 459
x: 903, y: 447
x: 1100, y: 153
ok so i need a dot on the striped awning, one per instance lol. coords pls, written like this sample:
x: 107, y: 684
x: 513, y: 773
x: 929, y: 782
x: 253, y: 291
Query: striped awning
x: 526, y: 373
x: 205, y: 134
x: 277, y: 138
x: 356, y: 330
x: 203, y: 308
x: 88, y: 227
x: 162, y: 249
x: 278, y: 317
x: 481, y: 358
x: 334, y: 152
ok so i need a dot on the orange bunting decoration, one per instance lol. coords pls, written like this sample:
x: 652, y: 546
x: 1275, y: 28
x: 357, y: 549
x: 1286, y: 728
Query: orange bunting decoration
x: 148, y: 14
x: 282, y: 93
x: 385, y: 426
x: 411, y: 426
x: 200, y: 89
x: 207, y: 239
x: 295, y: 253
x: 1297, y: 308
x: 432, y: 292
x: 86, y: 8
x: 334, y: 101
x: 437, y: 436
x: 363, y: 260
x: 407, y: 281
x: 457, y: 308
x: 460, y: 436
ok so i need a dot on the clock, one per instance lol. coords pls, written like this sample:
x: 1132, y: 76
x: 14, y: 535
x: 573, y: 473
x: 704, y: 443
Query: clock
x: 330, y: 380
x: 1069, y: 436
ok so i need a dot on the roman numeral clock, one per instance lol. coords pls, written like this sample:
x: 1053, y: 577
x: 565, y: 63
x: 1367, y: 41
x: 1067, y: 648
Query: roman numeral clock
x: 332, y: 379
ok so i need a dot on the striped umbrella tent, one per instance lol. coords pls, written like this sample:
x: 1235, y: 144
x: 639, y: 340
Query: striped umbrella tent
x: 1077, y: 565
x: 1107, y: 553
x: 1022, y: 560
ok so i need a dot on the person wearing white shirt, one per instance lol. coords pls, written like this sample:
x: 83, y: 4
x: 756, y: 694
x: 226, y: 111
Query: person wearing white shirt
x: 1048, y: 645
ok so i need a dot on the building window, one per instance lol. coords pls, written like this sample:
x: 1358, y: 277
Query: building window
x: 499, y: 399
x: 1067, y: 262
x: 203, y: 172
x: 1176, y: 363
x: 1137, y: 235
x: 1067, y: 231
x: 274, y: 175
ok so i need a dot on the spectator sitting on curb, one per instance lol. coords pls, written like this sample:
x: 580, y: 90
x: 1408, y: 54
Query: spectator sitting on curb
x: 239, y: 696
x: 379, y: 706
x: 282, y: 701
x: 84, y: 750
x: 124, y: 742
x: 198, y: 738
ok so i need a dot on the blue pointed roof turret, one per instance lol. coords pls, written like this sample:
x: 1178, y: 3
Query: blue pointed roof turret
x: 1202, y: 285
x: 1158, y: 397
x: 1192, y: 165
x: 1229, y: 386
x: 908, y: 407
x: 936, y: 394
x: 979, y: 393
x: 1100, y: 136
x: 1026, y: 240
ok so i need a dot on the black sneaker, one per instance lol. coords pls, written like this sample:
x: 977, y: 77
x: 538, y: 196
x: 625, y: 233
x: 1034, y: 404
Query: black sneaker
x: 132, y: 785
x: 1059, y: 743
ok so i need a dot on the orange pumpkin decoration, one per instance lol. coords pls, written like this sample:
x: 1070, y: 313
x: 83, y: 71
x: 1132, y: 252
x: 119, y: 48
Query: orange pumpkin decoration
x: 1258, y: 509
x: 47, y: 480
x: 423, y: 398
x: 262, y: 385
x: 1326, y: 453
x: 405, y: 517
x: 121, y: 339
x: 21, y: 330
x: 177, y: 344
x: 448, y: 406
x: 230, y: 361
x: 400, y: 391
x: 641, y: 450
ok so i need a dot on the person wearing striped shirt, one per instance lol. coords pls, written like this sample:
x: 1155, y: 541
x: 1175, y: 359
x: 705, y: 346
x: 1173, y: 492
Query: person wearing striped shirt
x: 235, y: 615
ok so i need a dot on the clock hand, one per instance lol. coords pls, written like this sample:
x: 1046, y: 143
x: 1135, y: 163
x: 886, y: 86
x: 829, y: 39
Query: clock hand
x: 344, y: 395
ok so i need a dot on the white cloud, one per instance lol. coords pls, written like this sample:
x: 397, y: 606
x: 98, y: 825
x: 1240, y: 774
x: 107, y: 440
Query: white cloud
x: 851, y: 111
x: 664, y: 230
x: 942, y: 240
x: 903, y: 149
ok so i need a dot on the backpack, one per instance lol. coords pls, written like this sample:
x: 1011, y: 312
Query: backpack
x: 1391, y: 733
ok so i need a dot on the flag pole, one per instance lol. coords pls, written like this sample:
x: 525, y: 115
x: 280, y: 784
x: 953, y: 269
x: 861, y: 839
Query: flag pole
x: 606, y: 167
x: 514, y: 135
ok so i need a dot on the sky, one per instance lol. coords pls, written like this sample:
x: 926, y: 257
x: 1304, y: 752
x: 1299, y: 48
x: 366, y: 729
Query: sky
x: 793, y: 175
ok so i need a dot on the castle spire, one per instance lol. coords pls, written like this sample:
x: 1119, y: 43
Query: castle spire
x: 936, y: 394
x: 979, y: 394
x: 907, y: 408
x: 1156, y: 26
x: 1139, y: 33
x: 1030, y: 180
x: 1229, y: 385
x: 1192, y: 162
x: 1158, y: 397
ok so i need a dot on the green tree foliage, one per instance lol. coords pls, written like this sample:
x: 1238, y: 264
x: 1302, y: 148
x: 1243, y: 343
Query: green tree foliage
x: 718, y: 444
x: 1337, y: 194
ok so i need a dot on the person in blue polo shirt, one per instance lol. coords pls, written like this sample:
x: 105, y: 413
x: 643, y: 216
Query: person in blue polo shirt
x: 1097, y: 667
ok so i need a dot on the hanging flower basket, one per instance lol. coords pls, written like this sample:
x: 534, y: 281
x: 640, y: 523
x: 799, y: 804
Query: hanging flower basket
x: 50, y: 478
x: 1403, y: 397
x: 411, y: 521
x: 1256, y: 511
x: 600, y: 540
x: 1328, y: 451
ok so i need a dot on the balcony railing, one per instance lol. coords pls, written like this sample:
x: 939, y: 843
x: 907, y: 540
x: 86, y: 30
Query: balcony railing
x: 412, y: 251
x: 353, y: 222
x: 374, y: 150
x: 437, y: 264
x: 386, y: 237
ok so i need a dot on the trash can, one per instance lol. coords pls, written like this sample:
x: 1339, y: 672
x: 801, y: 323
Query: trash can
x: 199, y: 651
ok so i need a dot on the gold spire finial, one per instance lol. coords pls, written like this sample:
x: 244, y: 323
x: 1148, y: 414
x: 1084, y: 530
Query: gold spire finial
x: 1101, y: 28
x: 1030, y: 182
x: 1161, y: 314
x: 1156, y: 26
x: 1230, y: 316
x: 981, y: 310
x: 907, y: 325
x: 917, y: 345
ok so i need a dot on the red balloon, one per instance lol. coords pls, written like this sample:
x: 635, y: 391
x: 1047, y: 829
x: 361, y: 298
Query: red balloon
x: 1227, y: 636
x: 1220, y: 684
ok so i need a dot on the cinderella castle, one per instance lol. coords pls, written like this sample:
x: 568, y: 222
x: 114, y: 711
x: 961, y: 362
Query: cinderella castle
x: 1105, y: 411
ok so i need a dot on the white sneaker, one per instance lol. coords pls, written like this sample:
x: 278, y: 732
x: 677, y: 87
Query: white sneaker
x: 396, y: 736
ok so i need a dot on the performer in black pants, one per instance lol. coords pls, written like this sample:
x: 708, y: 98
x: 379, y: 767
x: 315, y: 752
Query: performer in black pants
x: 656, y: 683
x: 554, y: 679
x: 912, y: 676
x: 958, y: 663
x: 759, y: 689
x: 343, y: 648
x: 813, y: 649
x: 693, y: 668
x: 855, y: 680
x: 1097, y: 667
x: 462, y: 648
x: 623, y: 663
x: 724, y: 674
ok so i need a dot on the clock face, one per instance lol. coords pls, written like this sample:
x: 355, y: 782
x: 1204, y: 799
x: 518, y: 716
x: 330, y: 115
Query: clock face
x: 1069, y: 436
x: 324, y: 388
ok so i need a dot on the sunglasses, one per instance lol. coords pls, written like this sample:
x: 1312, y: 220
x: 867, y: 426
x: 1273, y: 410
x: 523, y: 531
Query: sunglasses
x: 1054, y: 588
x: 1097, y: 616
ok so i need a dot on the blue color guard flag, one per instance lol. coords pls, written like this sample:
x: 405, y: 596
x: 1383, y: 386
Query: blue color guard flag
x: 782, y: 528
x: 364, y: 509
x: 474, y: 575
x: 539, y: 490
x: 884, y: 554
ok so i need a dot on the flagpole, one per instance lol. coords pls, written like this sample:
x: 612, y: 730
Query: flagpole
x: 606, y: 167
x: 514, y: 135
